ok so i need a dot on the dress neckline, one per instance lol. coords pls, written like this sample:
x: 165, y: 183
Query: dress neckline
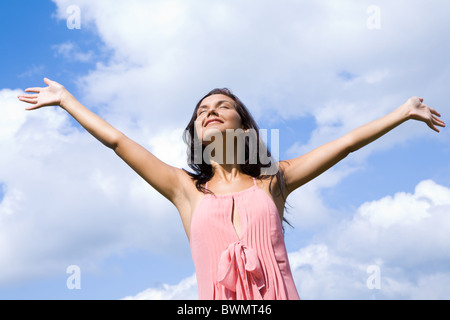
x: 233, y: 193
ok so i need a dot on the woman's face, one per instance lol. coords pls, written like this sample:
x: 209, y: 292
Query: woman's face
x: 216, y: 112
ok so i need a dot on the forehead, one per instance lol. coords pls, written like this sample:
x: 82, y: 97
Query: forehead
x: 216, y: 98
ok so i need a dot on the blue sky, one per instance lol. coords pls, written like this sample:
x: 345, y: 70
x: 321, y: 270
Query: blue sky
x: 312, y: 70
x: 30, y: 31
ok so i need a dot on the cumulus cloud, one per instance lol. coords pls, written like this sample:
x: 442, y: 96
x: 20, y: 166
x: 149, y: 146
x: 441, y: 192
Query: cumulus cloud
x: 167, y: 54
x: 186, y: 289
x: 12, y: 117
x: 63, y: 193
x: 404, y: 208
x: 405, y: 235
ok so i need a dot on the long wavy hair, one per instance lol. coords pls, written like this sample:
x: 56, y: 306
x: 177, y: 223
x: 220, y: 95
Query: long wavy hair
x: 203, y: 171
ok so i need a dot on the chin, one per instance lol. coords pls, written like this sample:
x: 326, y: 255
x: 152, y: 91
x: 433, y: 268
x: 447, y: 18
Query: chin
x: 209, y: 133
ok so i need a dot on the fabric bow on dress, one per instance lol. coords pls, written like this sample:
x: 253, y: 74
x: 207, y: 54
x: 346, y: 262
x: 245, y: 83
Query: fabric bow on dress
x: 240, y: 272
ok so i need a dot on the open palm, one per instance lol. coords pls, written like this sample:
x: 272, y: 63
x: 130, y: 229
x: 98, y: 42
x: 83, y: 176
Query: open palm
x: 42, y: 97
x: 421, y: 112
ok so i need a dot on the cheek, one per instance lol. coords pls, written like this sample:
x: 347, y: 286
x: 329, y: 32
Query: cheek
x: 235, y: 120
x: 202, y: 134
x: 238, y: 122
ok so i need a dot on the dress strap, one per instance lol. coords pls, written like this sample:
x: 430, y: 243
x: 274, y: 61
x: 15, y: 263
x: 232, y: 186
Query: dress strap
x: 254, y: 181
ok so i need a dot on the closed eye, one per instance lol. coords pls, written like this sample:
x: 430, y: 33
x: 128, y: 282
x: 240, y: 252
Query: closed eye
x: 222, y: 104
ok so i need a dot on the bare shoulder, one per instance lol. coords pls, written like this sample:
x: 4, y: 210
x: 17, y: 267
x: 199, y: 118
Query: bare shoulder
x: 273, y: 183
x: 288, y: 170
x: 271, y: 186
x: 186, y: 187
x: 187, y: 196
x: 186, y: 199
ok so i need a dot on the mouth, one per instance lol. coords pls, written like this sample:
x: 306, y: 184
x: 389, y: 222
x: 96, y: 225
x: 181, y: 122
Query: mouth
x: 212, y: 121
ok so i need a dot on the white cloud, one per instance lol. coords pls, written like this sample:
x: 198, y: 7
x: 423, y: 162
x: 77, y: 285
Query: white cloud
x: 405, y: 235
x: 66, y: 197
x: 169, y: 147
x: 404, y: 208
x: 31, y: 71
x: 10, y: 203
x: 71, y: 52
x: 284, y: 58
x: 13, y: 117
x: 186, y: 289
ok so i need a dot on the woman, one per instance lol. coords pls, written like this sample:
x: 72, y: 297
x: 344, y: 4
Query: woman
x: 231, y: 211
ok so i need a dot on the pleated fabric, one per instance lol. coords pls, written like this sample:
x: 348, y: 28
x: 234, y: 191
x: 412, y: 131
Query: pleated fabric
x: 252, y: 266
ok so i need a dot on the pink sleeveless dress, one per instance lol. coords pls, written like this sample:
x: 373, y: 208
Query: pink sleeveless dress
x: 253, y: 266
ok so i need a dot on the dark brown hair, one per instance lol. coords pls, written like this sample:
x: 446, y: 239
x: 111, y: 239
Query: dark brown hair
x: 203, y: 171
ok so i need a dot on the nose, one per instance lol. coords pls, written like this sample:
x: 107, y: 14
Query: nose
x: 212, y: 111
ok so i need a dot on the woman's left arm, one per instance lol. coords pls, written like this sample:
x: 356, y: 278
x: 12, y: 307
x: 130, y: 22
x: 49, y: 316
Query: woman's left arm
x: 300, y: 170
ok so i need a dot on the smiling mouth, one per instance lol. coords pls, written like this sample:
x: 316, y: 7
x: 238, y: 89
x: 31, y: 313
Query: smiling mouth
x: 213, y: 122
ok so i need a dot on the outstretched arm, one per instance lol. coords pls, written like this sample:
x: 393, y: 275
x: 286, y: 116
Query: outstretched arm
x: 56, y: 95
x: 300, y: 170
x: 164, y: 178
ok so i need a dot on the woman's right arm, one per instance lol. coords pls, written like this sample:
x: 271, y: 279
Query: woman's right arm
x: 164, y: 178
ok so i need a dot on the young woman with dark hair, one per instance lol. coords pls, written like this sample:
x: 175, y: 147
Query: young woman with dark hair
x: 231, y: 212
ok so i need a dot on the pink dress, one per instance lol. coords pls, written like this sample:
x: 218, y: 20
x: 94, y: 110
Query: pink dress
x: 250, y: 267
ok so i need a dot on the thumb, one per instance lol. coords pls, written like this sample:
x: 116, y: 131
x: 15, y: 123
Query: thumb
x: 47, y: 81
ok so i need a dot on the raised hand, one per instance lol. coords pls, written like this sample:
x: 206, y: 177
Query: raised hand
x: 46, y: 96
x: 421, y: 112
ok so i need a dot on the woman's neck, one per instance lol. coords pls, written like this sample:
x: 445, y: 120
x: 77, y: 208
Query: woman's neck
x: 226, y: 172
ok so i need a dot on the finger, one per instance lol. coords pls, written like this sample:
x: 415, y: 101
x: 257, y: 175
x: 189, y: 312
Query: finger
x: 438, y: 121
x: 432, y: 126
x: 47, y: 81
x: 31, y: 96
x: 37, y: 106
x: 432, y: 111
x: 435, y: 112
x: 27, y: 97
x: 36, y: 89
x: 28, y: 100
